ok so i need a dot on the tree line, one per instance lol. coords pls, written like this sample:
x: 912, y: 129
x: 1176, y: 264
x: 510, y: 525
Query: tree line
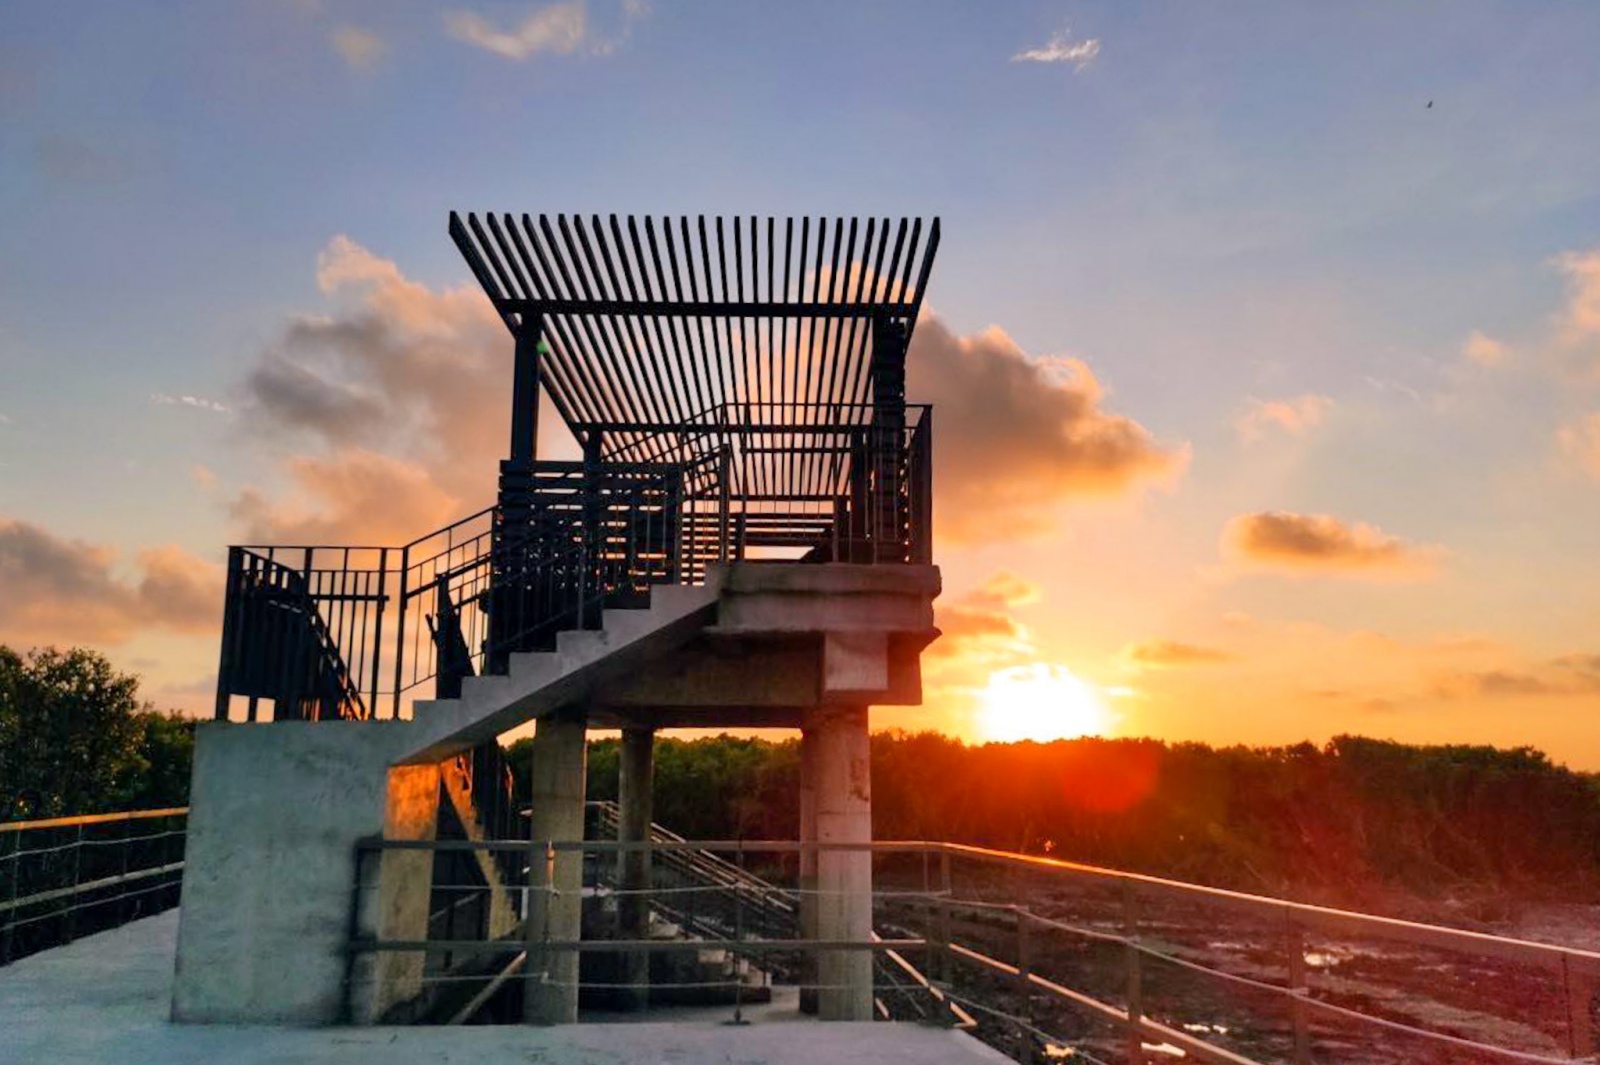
x: 1350, y: 821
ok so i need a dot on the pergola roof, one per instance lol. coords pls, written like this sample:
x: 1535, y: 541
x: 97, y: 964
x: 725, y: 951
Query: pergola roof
x: 652, y: 325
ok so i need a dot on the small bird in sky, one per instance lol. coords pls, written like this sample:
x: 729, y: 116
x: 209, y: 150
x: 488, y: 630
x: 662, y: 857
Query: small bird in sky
x: 1430, y: 105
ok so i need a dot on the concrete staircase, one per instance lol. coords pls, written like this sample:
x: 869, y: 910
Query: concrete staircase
x: 541, y: 681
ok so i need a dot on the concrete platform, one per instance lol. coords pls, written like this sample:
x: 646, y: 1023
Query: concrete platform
x: 104, y: 1001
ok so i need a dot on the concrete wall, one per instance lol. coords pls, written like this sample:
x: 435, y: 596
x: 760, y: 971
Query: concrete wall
x: 275, y: 814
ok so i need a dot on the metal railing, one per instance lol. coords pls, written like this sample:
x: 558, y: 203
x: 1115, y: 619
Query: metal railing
x: 1049, y: 957
x: 65, y: 877
x: 317, y: 633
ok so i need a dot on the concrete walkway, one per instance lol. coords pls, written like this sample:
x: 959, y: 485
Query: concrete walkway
x: 103, y: 1001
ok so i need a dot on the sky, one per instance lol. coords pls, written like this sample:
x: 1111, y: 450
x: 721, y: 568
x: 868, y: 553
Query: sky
x: 1264, y: 338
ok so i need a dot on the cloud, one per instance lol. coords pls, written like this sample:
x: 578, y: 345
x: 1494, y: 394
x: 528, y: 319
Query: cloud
x: 977, y: 628
x: 70, y: 160
x: 1320, y: 543
x: 1016, y: 436
x: 1168, y: 654
x: 161, y: 399
x: 555, y: 29
x: 1581, y: 319
x: 1485, y: 350
x: 394, y: 405
x: 1061, y: 48
x: 1295, y: 415
x: 1582, y: 663
x: 1581, y: 442
x: 67, y: 591
x: 360, y: 49
x: 1505, y: 683
x: 352, y: 495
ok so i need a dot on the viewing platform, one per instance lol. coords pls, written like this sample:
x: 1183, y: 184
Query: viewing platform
x: 105, y: 999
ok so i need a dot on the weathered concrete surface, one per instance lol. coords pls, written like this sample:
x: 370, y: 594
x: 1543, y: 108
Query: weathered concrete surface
x: 275, y: 814
x: 842, y: 768
x: 103, y: 1001
x: 833, y: 597
x: 556, y: 910
x: 635, y: 806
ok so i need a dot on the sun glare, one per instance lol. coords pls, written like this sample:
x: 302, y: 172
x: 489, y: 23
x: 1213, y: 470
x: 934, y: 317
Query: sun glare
x: 1040, y: 702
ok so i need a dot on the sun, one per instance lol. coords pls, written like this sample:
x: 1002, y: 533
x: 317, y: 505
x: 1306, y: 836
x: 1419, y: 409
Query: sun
x: 1040, y: 702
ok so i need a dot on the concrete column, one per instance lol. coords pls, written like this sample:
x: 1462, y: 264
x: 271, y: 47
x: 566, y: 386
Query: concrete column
x: 397, y: 887
x: 808, y: 867
x: 556, y: 910
x: 635, y: 781
x: 844, y: 878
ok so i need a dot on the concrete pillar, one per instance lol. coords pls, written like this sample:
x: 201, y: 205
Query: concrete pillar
x: 808, y: 867
x: 397, y: 887
x: 556, y: 909
x: 844, y: 878
x: 635, y: 782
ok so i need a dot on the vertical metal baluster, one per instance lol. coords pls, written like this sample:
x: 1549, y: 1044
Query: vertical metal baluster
x: 1299, y: 1016
x: 72, y: 899
x: 1130, y: 929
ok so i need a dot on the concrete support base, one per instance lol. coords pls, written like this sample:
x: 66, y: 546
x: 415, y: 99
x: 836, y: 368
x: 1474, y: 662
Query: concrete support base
x: 556, y: 899
x: 276, y: 812
x: 842, y: 774
x: 635, y: 784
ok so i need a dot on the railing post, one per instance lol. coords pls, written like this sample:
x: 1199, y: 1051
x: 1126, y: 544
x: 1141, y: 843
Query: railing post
x: 1299, y: 1014
x: 400, y: 630
x: 1130, y: 929
x: 15, y: 857
x: 1024, y: 985
x: 946, y: 959
x: 77, y: 865
x: 1580, y: 1003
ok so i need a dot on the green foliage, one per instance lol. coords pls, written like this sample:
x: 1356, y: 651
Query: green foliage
x: 75, y: 739
x: 1350, y: 822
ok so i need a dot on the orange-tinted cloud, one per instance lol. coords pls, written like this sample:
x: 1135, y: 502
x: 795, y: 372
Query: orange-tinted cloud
x: 351, y: 496
x: 395, y: 408
x: 1503, y: 683
x: 1320, y: 543
x: 1485, y: 350
x: 1295, y: 415
x: 1581, y: 320
x: 1581, y: 442
x: 1168, y: 654
x: 66, y: 591
x: 1016, y: 436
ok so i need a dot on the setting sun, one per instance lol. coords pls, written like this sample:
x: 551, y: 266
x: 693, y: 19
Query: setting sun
x: 1040, y: 702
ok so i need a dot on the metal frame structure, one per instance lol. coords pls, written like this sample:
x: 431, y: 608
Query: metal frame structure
x: 737, y: 390
x: 958, y: 932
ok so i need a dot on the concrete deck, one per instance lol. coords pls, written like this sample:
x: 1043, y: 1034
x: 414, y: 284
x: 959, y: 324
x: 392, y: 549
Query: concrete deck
x: 104, y: 1001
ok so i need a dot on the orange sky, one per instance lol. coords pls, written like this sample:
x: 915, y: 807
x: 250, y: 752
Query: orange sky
x: 1264, y: 343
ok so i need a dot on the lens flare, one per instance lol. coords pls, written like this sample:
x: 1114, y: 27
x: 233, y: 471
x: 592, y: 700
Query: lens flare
x: 1040, y: 702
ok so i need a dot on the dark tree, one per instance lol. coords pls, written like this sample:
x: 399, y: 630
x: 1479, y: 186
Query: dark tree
x: 75, y: 739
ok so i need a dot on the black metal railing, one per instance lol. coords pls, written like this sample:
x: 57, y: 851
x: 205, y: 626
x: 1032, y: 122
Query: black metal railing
x: 314, y: 633
x: 66, y: 877
x: 319, y: 633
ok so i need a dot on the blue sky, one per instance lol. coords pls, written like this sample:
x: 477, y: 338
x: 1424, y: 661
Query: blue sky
x: 1217, y: 207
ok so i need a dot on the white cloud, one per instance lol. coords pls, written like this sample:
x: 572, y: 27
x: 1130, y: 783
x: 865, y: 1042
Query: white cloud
x: 1484, y: 350
x: 359, y: 48
x: 555, y: 29
x: 1061, y: 48
x: 161, y: 399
